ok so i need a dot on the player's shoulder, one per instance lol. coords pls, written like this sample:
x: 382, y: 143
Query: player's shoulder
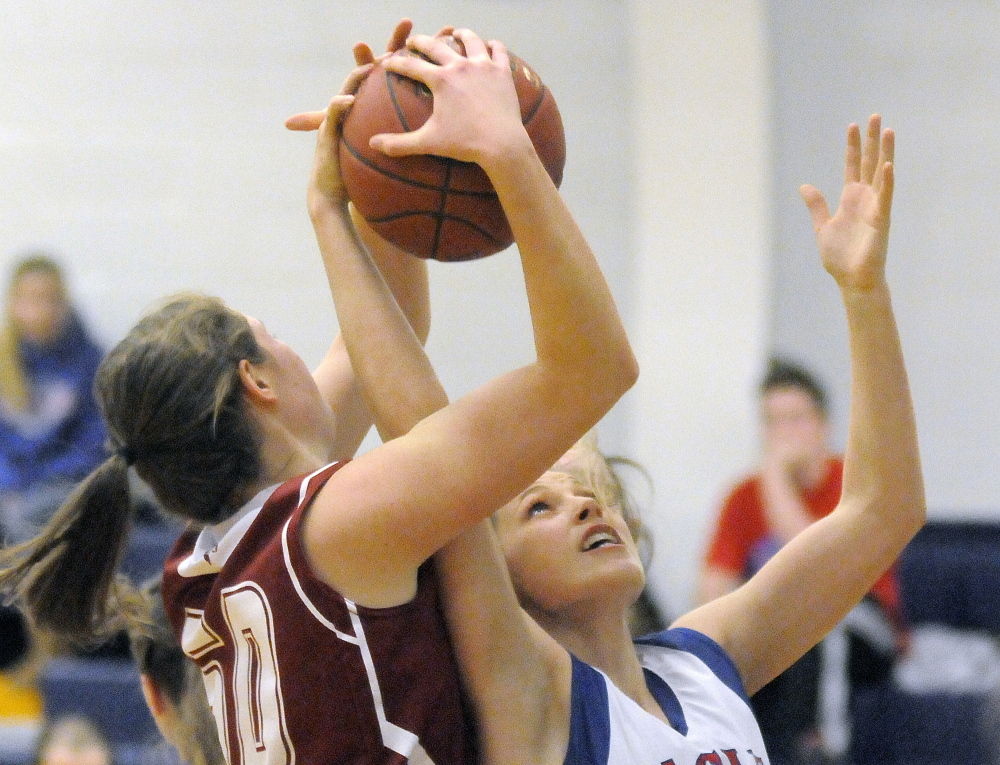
x: 691, y: 642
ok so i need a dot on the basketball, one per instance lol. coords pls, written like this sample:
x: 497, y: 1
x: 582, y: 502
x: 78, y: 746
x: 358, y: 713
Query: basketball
x: 436, y: 207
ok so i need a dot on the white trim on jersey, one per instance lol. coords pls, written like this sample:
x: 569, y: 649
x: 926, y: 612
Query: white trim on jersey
x: 302, y: 594
x: 396, y: 739
x: 304, y: 486
x: 216, y: 543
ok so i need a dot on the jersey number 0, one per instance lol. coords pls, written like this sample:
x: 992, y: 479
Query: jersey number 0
x: 249, y: 694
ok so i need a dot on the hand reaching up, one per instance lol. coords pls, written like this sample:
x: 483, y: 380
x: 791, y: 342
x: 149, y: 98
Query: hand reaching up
x: 853, y: 243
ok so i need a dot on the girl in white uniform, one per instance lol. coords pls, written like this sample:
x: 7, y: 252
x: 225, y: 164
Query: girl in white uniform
x: 537, y: 599
x: 525, y: 639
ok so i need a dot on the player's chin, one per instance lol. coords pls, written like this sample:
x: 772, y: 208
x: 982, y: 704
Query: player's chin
x: 618, y: 566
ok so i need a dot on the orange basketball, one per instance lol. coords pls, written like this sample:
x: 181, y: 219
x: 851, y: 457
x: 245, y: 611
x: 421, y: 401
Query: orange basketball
x: 432, y: 206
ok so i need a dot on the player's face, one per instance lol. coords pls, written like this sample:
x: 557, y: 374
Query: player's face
x: 299, y: 396
x: 562, y: 547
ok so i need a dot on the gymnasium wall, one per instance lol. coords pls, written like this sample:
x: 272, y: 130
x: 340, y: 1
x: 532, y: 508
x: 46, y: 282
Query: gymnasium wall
x: 931, y: 69
x: 143, y: 142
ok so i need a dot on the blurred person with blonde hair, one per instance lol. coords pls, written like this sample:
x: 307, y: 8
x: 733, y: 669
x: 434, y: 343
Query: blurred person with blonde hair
x: 51, y: 432
x: 73, y: 740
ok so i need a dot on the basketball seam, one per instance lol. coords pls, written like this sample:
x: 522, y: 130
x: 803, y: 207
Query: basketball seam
x: 534, y: 109
x: 445, y: 217
x: 409, y: 181
x: 391, y: 87
x: 441, y: 210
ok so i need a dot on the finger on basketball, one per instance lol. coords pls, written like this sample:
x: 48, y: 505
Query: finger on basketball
x: 356, y: 77
x: 399, y: 36
x: 339, y: 106
x: 473, y: 43
x: 415, y: 67
x: 305, y: 120
x: 405, y: 185
x: 363, y: 54
x: 433, y: 49
x: 399, y: 144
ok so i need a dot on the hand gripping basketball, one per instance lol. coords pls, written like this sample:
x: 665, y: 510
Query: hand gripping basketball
x: 432, y: 206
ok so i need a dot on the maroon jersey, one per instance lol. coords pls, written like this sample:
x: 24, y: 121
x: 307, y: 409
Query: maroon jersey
x: 295, y: 672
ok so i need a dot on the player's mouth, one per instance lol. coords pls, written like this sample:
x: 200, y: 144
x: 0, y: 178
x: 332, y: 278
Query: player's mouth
x: 600, y: 536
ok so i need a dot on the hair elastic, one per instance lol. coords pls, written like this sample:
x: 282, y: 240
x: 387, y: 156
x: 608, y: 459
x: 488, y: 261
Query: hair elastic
x: 127, y: 453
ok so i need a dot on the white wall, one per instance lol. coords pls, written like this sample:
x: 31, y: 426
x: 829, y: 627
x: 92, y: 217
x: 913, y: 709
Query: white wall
x: 933, y: 71
x: 144, y: 142
x: 702, y: 194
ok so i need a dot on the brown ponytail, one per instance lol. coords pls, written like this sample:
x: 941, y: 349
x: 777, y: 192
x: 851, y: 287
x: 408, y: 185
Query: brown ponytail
x: 65, y: 577
x: 171, y: 398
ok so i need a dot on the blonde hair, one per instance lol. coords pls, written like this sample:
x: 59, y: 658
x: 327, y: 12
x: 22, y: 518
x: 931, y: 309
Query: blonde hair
x: 600, y: 473
x: 13, y: 380
x: 75, y: 734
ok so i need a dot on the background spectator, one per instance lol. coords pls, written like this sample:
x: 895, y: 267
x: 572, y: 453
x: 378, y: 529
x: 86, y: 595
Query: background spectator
x: 799, y: 481
x: 173, y: 687
x: 51, y: 433
x: 73, y: 740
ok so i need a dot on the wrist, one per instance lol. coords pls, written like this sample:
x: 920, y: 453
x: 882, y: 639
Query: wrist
x: 511, y: 161
x: 323, y: 207
x: 869, y: 295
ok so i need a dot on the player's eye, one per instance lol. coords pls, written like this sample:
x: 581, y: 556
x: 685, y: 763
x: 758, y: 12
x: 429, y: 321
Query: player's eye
x: 536, y: 508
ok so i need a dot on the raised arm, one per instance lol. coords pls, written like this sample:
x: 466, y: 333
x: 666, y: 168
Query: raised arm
x: 396, y: 505
x: 821, y: 574
x: 405, y: 275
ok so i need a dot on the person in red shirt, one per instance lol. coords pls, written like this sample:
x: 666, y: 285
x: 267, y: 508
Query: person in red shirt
x: 798, y: 482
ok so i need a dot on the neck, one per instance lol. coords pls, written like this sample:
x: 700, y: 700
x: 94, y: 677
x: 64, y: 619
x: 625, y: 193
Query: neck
x: 601, y: 638
x: 283, y: 456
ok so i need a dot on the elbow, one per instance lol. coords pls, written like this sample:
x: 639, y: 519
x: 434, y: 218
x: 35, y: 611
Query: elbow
x: 619, y: 376
x: 624, y: 372
x: 630, y: 372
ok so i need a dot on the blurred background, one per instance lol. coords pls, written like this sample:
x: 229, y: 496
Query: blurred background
x: 142, y: 144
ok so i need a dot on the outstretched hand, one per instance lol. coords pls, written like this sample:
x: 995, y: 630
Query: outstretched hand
x: 853, y: 243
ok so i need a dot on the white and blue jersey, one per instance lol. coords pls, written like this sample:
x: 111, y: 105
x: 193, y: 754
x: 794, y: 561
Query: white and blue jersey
x: 699, y: 690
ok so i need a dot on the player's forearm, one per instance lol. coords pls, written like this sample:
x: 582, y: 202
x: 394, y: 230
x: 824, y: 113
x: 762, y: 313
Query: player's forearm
x: 882, y: 472
x: 396, y: 378
x: 576, y: 323
x: 405, y: 274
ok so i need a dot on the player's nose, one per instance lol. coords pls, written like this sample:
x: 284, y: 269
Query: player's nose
x: 589, y: 508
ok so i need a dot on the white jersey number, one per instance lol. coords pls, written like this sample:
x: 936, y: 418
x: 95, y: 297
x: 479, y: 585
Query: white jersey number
x: 251, y: 695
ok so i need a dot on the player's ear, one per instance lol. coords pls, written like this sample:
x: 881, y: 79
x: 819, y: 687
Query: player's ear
x: 155, y: 699
x: 254, y: 379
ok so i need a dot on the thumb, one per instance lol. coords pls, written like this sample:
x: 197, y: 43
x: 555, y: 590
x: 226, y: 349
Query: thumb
x: 816, y: 205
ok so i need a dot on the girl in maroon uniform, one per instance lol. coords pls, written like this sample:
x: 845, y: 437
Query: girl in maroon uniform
x: 302, y: 588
